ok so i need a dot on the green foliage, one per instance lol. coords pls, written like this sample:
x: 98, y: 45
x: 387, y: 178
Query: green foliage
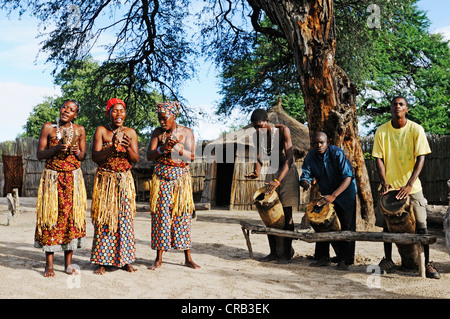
x: 260, y: 77
x: 86, y: 82
x: 415, y: 64
x: 150, y: 47
x: 46, y: 111
x: 400, y: 58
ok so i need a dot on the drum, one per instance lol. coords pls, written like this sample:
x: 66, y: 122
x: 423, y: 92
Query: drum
x: 397, y: 213
x: 271, y: 212
x: 269, y: 208
x: 400, y: 218
x: 322, y: 218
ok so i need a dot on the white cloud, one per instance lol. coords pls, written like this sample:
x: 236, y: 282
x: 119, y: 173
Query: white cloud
x: 17, y: 102
x: 210, y: 126
x: 445, y: 31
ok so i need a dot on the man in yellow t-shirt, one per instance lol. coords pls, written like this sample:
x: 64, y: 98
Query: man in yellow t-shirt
x: 399, y: 147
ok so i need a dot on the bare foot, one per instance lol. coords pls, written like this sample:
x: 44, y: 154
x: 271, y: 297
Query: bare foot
x: 71, y: 271
x: 49, y: 272
x: 100, y: 270
x: 129, y: 268
x: 156, y: 265
x: 191, y: 264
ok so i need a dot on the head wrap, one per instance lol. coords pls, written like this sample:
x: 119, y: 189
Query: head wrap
x: 112, y: 102
x: 168, y: 107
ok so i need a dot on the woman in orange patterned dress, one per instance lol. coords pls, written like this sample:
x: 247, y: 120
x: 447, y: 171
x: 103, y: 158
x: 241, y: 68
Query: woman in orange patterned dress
x: 61, y: 202
x: 114, y: 149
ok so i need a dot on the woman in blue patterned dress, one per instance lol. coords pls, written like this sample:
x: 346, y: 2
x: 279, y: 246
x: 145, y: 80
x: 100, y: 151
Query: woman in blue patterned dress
x: 171, y: 197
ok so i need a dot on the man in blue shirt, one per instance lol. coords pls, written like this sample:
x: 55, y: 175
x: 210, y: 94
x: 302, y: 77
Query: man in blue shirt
x: 334, y: 175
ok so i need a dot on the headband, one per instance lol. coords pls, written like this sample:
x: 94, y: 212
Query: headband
x: 112, y: 102
x: 168, y: 107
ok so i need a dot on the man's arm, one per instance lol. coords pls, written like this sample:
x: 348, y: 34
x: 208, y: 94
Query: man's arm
x: 381, y: 169
x: 330, y: 198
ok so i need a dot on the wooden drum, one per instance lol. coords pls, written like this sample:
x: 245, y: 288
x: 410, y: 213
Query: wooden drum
x: 269, y: 208
x: 322, y: 218
x: 400, y: 218
x: 397, y: 213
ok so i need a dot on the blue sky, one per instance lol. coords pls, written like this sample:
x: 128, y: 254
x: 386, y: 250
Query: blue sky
x: 25, y: 79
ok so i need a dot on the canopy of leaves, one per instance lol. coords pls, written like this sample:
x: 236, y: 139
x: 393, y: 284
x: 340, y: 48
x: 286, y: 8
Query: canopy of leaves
x: 399, y: 58
x: 85, y: 82
x: 150, y: 45
x: 415, y: 64
x: 153, y: 47
x: 46, y: 111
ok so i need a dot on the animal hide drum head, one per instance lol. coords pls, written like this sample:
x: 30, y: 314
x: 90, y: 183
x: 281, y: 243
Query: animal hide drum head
x: 390, y: 203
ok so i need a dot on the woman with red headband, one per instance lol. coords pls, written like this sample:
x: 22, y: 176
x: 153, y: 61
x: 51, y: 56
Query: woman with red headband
x: 171, y: 197
x: 114, y: 149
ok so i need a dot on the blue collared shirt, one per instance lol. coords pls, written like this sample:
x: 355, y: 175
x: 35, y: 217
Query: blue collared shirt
x: 330, y: 170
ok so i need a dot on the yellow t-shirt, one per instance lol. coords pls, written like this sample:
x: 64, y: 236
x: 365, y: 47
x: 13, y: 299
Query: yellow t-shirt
x: 399, y: 148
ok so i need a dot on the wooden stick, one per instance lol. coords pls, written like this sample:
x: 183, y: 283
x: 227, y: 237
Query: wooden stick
x: 421, y: 260
x: 398, y: 238
x: 247, y: 239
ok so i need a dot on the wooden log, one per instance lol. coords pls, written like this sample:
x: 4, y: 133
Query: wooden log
x: 202, y: 206
x: 399, y: 238
x: 421, y: 261
x: 13, y: 205
x: 247, y: 239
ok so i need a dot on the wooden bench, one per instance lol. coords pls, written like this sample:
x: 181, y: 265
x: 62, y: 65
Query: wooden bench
x: 312, y: 237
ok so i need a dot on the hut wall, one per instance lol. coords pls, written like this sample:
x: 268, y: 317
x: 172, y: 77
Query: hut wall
x: 209, y: 184
x: 31, y: 165
x: 242, y: 188
x: 198, y: 171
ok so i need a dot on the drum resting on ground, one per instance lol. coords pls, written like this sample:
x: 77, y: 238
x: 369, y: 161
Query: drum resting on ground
x: 399, y: 217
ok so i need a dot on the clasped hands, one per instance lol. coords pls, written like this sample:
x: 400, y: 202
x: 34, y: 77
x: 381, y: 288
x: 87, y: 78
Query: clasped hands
x: 173, y: 145
x: 73, y: 148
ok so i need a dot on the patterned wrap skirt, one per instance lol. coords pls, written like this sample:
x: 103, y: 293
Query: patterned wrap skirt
x: 60, y: 211
x: 115, y: 246
x: 171, y: 188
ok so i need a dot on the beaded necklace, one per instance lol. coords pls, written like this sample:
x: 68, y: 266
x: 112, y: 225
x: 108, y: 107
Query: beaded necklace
x: 268, y: 150
x: 58, y: 133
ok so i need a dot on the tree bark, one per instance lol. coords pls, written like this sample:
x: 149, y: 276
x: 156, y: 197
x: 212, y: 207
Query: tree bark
x: 330, y: 97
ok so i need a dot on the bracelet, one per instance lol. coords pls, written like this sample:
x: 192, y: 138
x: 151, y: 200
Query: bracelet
x: 159, y: 151
x: 276, y: 181
x: 76, y: 154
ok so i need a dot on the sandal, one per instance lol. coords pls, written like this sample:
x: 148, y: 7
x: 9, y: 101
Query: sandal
x: 431, y: 272
x: 386, y: 265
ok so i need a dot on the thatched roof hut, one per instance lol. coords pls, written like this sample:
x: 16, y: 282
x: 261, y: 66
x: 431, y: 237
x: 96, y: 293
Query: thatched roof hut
x: 231, y: 156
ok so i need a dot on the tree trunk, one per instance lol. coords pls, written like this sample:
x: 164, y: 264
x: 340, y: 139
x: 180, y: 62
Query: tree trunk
x: 330, y: 97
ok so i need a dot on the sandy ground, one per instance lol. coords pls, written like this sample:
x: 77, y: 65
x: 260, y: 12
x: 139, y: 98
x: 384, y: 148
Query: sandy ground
x: 226, y: 270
